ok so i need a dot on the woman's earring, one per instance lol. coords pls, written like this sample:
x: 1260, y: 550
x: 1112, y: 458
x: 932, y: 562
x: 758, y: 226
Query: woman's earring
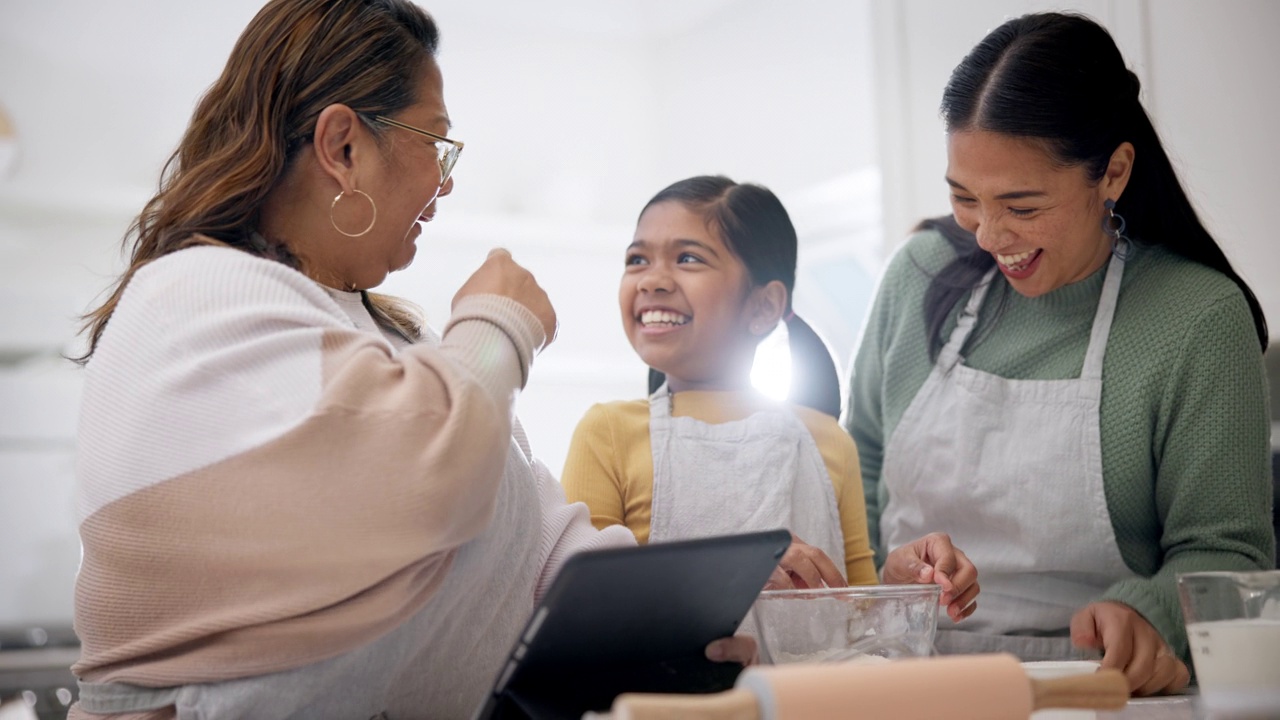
x: 1113, y: 225
x: 372, y: 206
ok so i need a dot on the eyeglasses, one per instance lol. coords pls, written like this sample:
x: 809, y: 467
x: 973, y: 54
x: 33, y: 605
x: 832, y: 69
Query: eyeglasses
x: 447, y: 150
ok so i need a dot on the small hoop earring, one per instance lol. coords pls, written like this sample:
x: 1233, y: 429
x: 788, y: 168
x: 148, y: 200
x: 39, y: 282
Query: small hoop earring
x: 372, y: 205
x: 1113, y: 225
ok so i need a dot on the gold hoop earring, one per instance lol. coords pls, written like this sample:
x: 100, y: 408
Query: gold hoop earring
x: 372, y: 206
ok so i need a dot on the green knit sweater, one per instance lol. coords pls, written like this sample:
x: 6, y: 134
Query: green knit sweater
x: 1185, y: 449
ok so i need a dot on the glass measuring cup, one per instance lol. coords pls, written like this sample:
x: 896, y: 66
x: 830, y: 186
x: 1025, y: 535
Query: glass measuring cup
x: 1233, y: 625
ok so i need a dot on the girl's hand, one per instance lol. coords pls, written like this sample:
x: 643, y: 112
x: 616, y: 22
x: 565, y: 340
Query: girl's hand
x: 1130, y: 644
x: 933, y: 559
x: 804, y: 566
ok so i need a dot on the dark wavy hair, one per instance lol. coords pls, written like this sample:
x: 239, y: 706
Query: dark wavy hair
x: 1060, y: 80
x: 756, y: 227
x: 295, y: 58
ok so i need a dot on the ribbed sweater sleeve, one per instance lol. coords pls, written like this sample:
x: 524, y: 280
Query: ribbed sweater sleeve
x: 567, y: 530
x: 494, y: 337
x: 864, y: 412
x: 1212, y: 491
x: 263, y: 485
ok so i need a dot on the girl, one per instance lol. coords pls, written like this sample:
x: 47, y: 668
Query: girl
x: 709, y: 274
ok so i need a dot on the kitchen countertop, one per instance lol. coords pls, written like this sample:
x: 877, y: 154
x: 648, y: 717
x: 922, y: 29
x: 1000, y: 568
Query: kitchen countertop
x: 1180, y: 707
x: 1177, y: 707
x: 23, y: 667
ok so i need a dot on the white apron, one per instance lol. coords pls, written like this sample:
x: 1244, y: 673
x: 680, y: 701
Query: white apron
x: 759, y: 473
x: 1012, y: 471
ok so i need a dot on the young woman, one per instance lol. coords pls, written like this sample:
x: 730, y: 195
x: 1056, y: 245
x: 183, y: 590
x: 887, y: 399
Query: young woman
x: 1067, y: 377
x: 708, y: 275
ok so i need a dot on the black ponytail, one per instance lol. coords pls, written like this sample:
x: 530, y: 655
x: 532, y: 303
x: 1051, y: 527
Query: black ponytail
x: 814, y: 380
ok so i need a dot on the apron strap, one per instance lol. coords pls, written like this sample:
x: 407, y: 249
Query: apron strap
x: 1098, y: 335
x: 1093, y: 358
x: 660, y: 402
x: 950, y: 354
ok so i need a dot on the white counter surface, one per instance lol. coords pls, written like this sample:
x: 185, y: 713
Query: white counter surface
x: 1179, y: 707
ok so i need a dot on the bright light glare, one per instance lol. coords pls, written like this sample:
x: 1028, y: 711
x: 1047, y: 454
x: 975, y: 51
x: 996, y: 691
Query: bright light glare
x: 771, y: 371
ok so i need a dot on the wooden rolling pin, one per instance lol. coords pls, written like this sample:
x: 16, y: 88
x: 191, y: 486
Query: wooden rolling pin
x: 964, y: 687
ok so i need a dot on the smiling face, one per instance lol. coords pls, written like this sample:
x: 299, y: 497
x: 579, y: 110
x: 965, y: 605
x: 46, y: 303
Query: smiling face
x: 687, y: 301
x: 1041, y: 221
x: 404, y: 184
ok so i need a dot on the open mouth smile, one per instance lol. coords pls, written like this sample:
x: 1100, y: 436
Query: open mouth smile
x: 663, y: 319
x: 1019, y: 265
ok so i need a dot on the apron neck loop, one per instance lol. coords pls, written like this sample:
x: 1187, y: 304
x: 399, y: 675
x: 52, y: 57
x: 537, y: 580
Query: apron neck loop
x: 950, y: 354
x: 1098, y: 334
x: 662, y: 401
x: 1107, y: 302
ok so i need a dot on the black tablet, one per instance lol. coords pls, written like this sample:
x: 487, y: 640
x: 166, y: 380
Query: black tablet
x: 633, y: 620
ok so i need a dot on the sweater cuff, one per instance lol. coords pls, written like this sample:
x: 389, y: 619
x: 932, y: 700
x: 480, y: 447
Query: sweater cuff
x: 495, y: 338
x: 567, y: 530
x: 1157, y: 607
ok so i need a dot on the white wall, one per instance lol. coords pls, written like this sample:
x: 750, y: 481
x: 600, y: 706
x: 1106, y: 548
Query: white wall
x: 775, y: 93
x: 557, y: 121
x: 1215, y: 79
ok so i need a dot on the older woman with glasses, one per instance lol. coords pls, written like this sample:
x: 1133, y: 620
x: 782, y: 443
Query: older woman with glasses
x: 295, y: 500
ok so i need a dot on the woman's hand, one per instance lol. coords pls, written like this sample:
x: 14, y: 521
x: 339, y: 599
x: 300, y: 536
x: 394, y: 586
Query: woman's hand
x: 1130, y: 644
x: 804, y: 566
x: 739, y: 648
x: 933, y: 559
x: 500, y: 275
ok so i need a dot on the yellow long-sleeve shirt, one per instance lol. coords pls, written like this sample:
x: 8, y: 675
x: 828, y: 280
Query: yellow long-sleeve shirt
x: 610, y: 465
